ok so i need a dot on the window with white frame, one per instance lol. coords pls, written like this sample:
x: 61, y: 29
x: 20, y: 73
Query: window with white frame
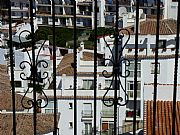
x: 88, y: 84
x: 130, y: 89
x: 153, y: 68
x: 50, y: 106
x: 107, y: 111
x: 87, y: 109
x: 131, y: 68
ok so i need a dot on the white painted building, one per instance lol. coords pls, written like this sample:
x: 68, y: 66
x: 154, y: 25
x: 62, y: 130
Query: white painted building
x: 146, y: 62
x: 170, y: 9
x: 19, y: 9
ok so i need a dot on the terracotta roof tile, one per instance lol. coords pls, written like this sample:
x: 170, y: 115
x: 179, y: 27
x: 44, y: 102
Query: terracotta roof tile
x: 151, y: 56
x: 6, y: 101
x: 163, y: 118
x: 5, y: 92
x: 45, y: 123
x: 66, y: 65
x: 167, y: 27
x: 87, y: 56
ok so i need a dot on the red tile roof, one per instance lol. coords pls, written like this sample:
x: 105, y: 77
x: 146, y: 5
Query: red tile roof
x: 167, y: 27
x: 45, y: 123
x: 163, y: 118
x: 24, y: 120
x: 5, y: 92
x: 151, y: 56
x: 66, y: 65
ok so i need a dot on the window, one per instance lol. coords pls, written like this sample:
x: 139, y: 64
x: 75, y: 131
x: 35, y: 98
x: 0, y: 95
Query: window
x: 130, y: 89
x: 162, y: 44
x: 18, y: 83
x: 98, y: 40
x: 131, y: 69
x: 107, y: 127
x: 88, y: 84
x: 153, y: 68
x: 12, y: 4
x: 30, y: 84
x: 21, y: 5
x: 38, y: 18
x: 174, y: 7
x: 70, y: 105
x: 107, y: 84
x: 70, y: 125
x: 27, y: 5
x: 87, y: 128
x: 131, y: 85
x: 87, y: 110
x: 107, y: 111
x: 152, y: 11
x: 50, y: 106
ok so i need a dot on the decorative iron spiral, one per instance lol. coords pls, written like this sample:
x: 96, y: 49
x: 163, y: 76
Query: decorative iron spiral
x: 28, y: 64
x: 117, y: 66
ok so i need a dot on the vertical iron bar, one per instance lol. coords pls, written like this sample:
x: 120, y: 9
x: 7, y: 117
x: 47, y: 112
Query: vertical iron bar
x: 116, y: 67
x: 75, y: 70
x: 33, y: 64
x: 135, y: 65
x: 12, y: 68
x: 156, y: 66
x: 54, y: 69
x: 176, y: 72
x: 95, y: 62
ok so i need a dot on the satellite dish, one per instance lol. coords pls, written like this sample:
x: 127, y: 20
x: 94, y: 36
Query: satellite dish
x: 122, y: 10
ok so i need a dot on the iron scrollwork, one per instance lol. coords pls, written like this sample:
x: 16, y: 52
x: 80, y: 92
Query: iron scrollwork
x: 117, y: 69
x: 33, y: 69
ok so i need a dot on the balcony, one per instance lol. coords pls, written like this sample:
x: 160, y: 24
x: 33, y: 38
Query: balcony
x: 87, y: 114
x: 107, y: 113
x: 86, y: 132
x: 130, y: 114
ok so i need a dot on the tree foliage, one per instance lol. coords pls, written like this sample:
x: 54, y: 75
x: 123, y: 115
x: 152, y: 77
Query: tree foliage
x: 101, y: 31
x: 62, y: 35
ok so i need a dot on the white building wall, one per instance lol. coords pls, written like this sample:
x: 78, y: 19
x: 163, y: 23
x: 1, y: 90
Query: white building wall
x: 166, y: 71
x: 164, y: 92
x: 170, y: 9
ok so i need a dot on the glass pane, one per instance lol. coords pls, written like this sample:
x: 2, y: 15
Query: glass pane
x: 131, y: 74
x: 139, y: 85
x: 138, y: 94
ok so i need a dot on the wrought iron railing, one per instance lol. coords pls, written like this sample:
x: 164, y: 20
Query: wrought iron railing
x: 116, y: 76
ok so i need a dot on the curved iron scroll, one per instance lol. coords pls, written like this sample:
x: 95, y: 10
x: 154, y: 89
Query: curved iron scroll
x: 33, y: 69
x: 117, y: 69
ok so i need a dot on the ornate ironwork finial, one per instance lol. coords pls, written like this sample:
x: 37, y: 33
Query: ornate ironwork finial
x: 33, y: 69
x: 117, y: 68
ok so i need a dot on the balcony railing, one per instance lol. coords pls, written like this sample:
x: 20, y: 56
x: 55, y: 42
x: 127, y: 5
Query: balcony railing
x: 86, y: 132
x: 130, y: 113
x: 107, y: 113
x: 87, y: 114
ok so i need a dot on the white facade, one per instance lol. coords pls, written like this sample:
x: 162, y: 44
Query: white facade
x: 170, y: 9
